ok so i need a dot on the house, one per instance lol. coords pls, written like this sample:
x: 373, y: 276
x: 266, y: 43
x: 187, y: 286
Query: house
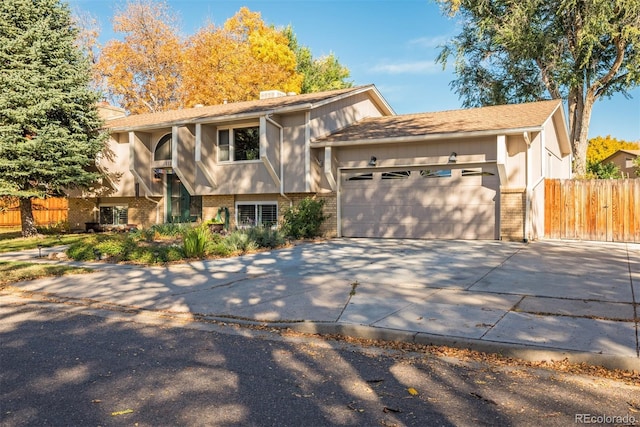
x: 464, y: 174
x: 624, y: 160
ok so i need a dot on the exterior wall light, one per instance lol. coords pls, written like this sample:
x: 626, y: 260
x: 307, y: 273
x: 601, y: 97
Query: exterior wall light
x: 453, y: 157
x: 373, y: 161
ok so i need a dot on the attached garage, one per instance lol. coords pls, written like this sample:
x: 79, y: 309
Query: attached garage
x: 435, y: 203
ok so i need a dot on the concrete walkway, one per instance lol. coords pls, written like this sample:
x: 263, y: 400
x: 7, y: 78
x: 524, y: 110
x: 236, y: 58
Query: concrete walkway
x: 538, y: 301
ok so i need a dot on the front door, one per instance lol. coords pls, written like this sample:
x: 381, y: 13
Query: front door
x: 181, y: 206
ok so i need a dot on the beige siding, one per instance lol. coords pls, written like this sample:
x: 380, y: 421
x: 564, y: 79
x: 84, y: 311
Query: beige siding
x: 516, y: 162
x: 294, y: 152
x: 184, y: 164
x: 115, y: 164
x: 142, y: 153
x: 339, y: 114
x: 416, y: 153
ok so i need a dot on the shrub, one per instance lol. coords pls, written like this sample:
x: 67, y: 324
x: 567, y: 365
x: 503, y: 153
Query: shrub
x: 116, y: 246
x: 143, y: 234
x: 195, y: 242
x: 304, y: 220
x: 170, y: 229
x: 239, y: 241
x: 57, y: 228
x: 266, y: 237
x: 82, y: 251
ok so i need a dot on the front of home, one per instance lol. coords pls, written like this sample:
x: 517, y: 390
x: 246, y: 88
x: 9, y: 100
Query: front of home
x: 464, y: 174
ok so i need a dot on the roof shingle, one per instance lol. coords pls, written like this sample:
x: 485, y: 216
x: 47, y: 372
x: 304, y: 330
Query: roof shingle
x: 494, y: 118
x: 168, y: 118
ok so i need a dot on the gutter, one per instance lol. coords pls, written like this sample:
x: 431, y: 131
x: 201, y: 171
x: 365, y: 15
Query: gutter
x: 426, y: 137
x: 208, y: 120
x: 157, y: 207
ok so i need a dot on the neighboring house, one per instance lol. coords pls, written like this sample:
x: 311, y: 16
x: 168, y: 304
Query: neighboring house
x: 465, y: 174
x: 624, y: 160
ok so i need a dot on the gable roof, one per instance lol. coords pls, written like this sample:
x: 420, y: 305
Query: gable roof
x: 635, y: 153
x: 235, y: 109
x: 513, y: 118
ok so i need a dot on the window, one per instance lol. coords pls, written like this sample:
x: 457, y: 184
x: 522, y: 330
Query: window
x: 114, y: 215
x: 163, y: 149
x: 361, y: 177
x: 396, y: 175
x: 239, y: 144
x: 223, y: 145
x: 629, y: 163
x: 441, y: 173
x: 476, y: 172
x: 256, y: 214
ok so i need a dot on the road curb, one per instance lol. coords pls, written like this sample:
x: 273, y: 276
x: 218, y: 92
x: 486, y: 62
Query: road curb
x: 529, y: 353
x: 519, y: 351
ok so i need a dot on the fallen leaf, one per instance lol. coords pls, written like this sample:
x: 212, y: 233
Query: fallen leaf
x: 126, y: 411
x: 412, y: 391
x: 387, y: 409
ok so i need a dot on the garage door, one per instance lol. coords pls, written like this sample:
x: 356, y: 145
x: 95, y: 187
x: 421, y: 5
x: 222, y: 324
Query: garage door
x: 422, y: 204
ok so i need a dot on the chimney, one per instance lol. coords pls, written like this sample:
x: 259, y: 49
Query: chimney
x: 267, y: 94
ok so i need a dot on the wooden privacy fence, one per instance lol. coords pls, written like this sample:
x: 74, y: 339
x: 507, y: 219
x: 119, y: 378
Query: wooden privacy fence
x: 599, y: 209
x: 45, y: 212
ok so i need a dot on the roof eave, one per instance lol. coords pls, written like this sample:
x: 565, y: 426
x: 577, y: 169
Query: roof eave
x: 427, y: 137
x: 210, y: 119
x: 564, y: 140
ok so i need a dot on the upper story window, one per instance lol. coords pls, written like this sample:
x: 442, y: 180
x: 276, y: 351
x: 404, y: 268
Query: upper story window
x: 163, y: 149
x: 238, y: 144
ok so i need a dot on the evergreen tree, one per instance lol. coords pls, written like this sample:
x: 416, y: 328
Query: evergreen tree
x: 49, y: 124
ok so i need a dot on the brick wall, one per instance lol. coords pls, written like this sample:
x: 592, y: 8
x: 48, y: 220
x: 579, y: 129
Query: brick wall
x: 330, y: 227
x: 512, y: 213
x: 211, y: 204
x: 81, y: 211
x: 143, y: 212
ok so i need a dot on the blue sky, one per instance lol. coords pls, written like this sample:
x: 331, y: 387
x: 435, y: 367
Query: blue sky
x: 390, y: 43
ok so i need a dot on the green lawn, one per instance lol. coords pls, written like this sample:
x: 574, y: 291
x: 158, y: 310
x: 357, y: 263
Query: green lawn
x: 11, y: 240
x: 16, y: 271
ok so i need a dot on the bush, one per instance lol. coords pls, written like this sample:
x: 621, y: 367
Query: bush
x: 239, y: 241
x: 195, y: 242
x: 266, y: 237
x: 304, y: 220
x: 143, y: 234
x: 83, y: 250
x: 117, y: 246
x: 57, y: 228
x: 170, y: 229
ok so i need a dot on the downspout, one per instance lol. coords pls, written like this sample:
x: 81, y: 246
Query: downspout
x: 276, y: 124
x: 528, y: 190
x: 157, y: 206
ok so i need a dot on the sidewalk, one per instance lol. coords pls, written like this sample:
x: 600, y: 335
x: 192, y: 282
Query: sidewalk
x: 538, y: 301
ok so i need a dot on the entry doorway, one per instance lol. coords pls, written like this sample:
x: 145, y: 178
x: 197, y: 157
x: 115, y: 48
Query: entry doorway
x: 181, y: 206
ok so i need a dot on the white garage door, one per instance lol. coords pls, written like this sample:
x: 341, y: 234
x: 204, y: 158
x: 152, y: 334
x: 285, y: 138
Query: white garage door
x: 421, y: 204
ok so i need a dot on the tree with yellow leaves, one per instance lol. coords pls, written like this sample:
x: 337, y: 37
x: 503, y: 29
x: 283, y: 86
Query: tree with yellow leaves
x: 602, y: 147
x: 143, y: 72
x: 237, y: 61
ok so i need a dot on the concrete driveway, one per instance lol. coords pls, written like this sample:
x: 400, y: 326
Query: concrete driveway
x: 575, y: 297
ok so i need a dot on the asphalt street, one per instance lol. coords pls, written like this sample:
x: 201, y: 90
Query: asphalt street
x: 65, y: 365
